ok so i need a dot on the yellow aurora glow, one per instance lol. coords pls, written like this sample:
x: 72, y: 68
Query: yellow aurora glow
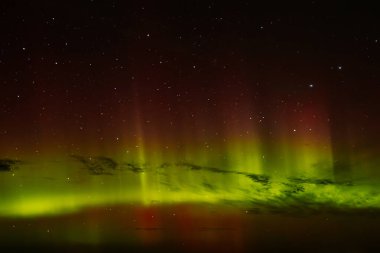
x: 28, y: 194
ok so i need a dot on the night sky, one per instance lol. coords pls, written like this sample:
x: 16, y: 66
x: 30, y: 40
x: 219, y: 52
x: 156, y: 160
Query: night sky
x: 153, y: 123
x: 108, y: 76
x: 261, y: 87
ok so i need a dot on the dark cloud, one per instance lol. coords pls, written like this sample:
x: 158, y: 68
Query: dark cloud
x: 257, y: 178
x: 99, y: 165
x: 292, y: 188
x: 198, y: 167
x: 319, y: 181
x: 8, y: 165
x: 209, y: 186
x: 261, y: 179
x: 311, y: 181
x: 132, y: 167
x: 190, y: 166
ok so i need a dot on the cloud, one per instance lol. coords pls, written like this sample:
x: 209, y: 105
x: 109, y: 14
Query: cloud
x: 99, y: 165
x: 8, y: 165
x: 132, y: 167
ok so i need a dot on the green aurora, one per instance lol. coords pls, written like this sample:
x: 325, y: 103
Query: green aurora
x: 72, y: 184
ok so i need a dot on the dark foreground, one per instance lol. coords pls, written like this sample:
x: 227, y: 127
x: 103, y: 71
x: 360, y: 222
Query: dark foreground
x: 190, y: 228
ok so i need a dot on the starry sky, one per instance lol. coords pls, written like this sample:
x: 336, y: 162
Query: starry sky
x: 202, y: 125
x: 259, y: 86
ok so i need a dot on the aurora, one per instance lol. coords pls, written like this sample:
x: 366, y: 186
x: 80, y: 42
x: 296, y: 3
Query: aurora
x: 96, y: 181
x: 189, y: 126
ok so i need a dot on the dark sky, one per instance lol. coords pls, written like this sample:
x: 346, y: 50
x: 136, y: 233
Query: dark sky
x: 112, y: 76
